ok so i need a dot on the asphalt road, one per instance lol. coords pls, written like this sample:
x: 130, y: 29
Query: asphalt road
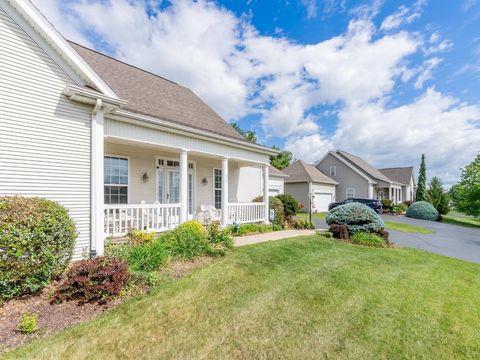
x: 451, y: 240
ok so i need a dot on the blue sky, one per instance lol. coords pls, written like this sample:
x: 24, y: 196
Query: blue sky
x: 386, y: 80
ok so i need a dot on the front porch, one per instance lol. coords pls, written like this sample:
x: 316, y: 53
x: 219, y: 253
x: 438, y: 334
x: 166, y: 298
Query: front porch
x: 156, y: 188
x: 393, y: 193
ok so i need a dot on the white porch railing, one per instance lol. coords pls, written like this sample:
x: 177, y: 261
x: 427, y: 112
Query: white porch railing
x: 242, y: 213
x: 119, y: 219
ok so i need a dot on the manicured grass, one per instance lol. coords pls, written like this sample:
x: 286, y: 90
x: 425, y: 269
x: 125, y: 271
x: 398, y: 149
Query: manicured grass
x: 302, y: 298
x: 462, y: 220
x: 392, y: 225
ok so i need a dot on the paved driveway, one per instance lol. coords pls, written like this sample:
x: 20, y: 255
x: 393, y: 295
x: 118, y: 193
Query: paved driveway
x: 450, y: 240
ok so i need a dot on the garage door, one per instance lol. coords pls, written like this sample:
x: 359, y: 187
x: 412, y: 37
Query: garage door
x: 321, y: 202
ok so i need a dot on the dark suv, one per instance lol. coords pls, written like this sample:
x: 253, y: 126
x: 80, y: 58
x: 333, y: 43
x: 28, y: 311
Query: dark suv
x: 374, y: 204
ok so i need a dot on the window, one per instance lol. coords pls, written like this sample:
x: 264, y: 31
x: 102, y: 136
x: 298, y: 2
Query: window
x: 115, y: 178
x: 333, y: 170
x: 217, y: 188
x: 350, y: 193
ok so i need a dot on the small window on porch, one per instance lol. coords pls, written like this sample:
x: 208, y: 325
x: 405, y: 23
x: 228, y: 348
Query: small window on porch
x: 333, y: 170
x: 115, y: 180
x: 350, y: 193
x: 217, y: 188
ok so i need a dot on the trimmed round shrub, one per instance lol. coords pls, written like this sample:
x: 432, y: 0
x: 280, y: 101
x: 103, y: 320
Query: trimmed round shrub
x: 422, y: 210
x: 37, y: 238
x: 277, y: 205
x: 356, y: 217
x: 93, y: 280
x: 187, y: 241
x: 290, y: 205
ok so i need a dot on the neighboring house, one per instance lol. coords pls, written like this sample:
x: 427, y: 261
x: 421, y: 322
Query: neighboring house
x: 404, y: 176
x: 276, y: 181
x: 306, y: 180
x: 118, y: 146
x: 358, y: 178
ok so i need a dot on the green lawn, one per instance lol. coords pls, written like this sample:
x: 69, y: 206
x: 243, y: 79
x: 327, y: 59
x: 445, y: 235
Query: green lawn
x: 460, y: 219
x: 391, y: 225
x: 302, y: 298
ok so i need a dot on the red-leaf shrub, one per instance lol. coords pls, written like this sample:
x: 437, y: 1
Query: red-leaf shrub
x: 339, y: 231
x: 94, y: 280
x: 408, y: 202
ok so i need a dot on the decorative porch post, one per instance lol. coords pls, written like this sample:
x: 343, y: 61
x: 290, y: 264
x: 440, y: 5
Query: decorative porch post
x: 97, y: 231
x: 183, y: 186
x: 265, y: 194
x: 224, y: 221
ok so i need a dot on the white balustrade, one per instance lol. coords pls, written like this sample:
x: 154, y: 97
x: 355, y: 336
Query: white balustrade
x: 242, y: 213
x: 119, y: 219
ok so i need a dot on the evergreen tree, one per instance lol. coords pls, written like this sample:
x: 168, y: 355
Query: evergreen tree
x: 437, y: 196
x: 422, y: 179
x: 282, y: 160
x: 466, y: 194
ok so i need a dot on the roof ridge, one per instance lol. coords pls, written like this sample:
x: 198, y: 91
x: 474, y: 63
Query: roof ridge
x: 125, y: 63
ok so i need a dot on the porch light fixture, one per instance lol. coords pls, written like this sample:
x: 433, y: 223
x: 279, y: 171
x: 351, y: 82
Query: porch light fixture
x: 204, y: 181
x: 145, y: 177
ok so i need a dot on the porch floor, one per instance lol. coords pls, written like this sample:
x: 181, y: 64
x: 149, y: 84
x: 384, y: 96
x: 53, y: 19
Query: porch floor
x: 271, y: 236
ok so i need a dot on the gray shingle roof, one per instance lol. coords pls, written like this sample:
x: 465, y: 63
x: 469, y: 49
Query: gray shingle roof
x: 298, y: 171
x: 272, y: 170
x: 363, y: 165
x: 151, y: 95
x: 399, y: 174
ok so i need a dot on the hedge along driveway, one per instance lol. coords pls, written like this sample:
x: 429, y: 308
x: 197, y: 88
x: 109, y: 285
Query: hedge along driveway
x: 306, y: 298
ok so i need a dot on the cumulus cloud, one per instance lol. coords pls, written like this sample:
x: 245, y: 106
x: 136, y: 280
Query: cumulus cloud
x: 241, y: 72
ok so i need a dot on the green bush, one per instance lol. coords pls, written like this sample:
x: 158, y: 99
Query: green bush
x: 137, y: 237
x: 275, y: 204
x: 37, y: 238
x: 290, y: 205
x: 367, y: 239
x: 422, y: 210
x: 301, y: 224
x: 28, y: 324
x: 356, y: 217
x: 250, y: 229
x: 221, y: 240
x: 147, y: 257
x: 400, y: 208
x: 387, y: 205
x: 187, y: 241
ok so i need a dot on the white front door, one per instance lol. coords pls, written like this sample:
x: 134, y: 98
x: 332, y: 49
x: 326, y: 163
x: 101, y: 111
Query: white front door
x: 173, y: 187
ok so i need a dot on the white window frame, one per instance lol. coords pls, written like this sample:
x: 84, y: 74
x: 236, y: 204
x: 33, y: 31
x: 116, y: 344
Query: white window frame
x: 334, y: 172
x: 352, y: 190
x: 124, y: 157
x: 215, y: 188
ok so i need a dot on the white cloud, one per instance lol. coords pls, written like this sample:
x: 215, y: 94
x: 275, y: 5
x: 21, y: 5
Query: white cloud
x: 311, y: 6
x: 238, y: 71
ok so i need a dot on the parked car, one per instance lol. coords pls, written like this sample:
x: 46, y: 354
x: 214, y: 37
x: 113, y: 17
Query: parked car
x: 372, y: 203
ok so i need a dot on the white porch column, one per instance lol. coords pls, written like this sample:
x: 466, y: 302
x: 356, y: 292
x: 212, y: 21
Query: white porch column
x: 370, y: 190
x: 224, y: 221
x: 97, y: 231
x: 183, y: 186
x: 265, y: 193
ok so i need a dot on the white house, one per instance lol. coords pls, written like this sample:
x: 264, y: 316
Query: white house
x: 118, y: 146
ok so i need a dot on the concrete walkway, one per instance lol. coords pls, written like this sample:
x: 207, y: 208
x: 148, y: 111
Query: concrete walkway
x: 271, y: 236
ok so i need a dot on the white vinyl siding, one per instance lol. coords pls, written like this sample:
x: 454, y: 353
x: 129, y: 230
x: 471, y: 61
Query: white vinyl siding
x: 44, y: 138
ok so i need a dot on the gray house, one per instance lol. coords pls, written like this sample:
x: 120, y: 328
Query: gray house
x: 306, y: 180
x: 357, y: 178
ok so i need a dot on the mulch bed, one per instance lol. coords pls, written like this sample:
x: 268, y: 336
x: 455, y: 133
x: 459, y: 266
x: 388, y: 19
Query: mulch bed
x: 54, y: 317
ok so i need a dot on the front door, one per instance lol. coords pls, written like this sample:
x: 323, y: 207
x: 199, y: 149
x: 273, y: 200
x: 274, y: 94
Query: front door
x: 173, y: 187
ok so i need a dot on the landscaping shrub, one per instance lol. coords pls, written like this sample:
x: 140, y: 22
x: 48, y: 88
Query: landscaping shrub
x: 400, y: 208
x: 339, y: 231
x: 422, y: 210
x: 290, y: 205
x: 387, y: 205
x: 93, y: 280
x: 384, y: 234
x: 301, y: 224
x: 249, y: 229
x: 36, y: 242
x: 367, y: 239
x: 277, y: 205
x: 137, y: 237
x: 357, y: 217
x: 28, y: 324
x: 187, y: 241
x: 221, y: 240
x: 324, y: 233
x: 408, y: 203
x: 147, y: 257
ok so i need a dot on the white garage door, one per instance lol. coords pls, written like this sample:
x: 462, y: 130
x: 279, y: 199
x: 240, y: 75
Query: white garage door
x: 321, y: 202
